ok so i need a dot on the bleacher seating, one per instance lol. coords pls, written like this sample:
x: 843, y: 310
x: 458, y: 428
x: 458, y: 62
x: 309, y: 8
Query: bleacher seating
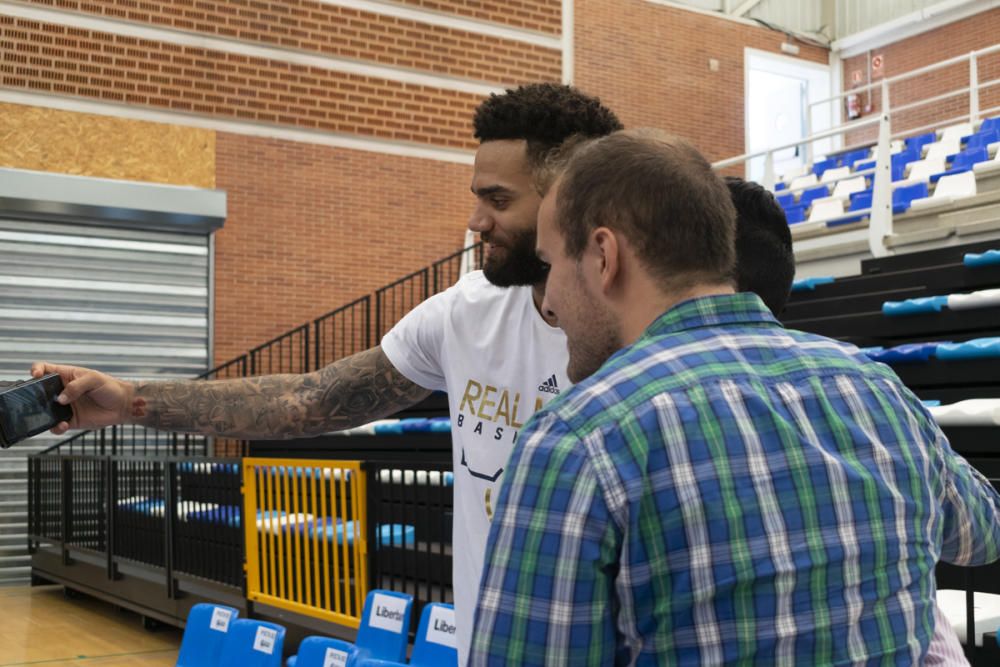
x: 435, y: 644
x: 930, y: 172
x: 949, y: 356
x: 251, y: 643
x: 204, y: 634
x: 318, y: 651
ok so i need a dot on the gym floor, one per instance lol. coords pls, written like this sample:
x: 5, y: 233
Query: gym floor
x: 41, y: 626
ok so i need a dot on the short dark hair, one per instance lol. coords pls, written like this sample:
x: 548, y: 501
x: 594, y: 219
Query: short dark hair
x: 662, y: 195
x: 765, y: 262
x: 544, y: 115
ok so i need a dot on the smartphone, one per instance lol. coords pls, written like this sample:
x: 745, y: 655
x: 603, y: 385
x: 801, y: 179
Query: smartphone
x: 29, y: 408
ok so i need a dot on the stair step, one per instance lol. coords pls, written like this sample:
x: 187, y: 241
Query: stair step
x: 13, y: 539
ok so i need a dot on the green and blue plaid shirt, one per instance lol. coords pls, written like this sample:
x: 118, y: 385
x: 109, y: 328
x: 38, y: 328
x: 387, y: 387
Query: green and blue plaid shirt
x: 728, y: 491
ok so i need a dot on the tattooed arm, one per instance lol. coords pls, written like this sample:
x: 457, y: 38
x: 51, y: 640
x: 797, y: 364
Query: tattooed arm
x: 347, y: 393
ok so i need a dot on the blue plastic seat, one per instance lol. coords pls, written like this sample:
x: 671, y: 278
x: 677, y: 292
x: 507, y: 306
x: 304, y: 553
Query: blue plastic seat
x: 253, y: 644
x: 415, y: 425
x: 324, y: 652
x: 910, y: 353
x: 385, y: 626
x: 964, y: 161
x: 852, y: 158
x: 979, y: 348
x: 861, y: 200
x: 977, y: 259
x: 389, y: 534
x: 786, y: 200
x: 794, y: 214
x: 918, y: 306
x: 435, y: 644
x: 204, y: 634
x: 990, y: 124
x: 780, y: 185
x: 810, y: 284
x: 813, y: 193
x: 916, y: 143
x: 822, y: 165
x: 902, y: 197
x: 981, y: 139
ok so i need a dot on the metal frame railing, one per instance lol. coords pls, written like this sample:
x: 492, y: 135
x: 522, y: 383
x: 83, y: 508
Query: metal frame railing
x: 880, y: 214
x: 306, y: 537
x: 159, y: 511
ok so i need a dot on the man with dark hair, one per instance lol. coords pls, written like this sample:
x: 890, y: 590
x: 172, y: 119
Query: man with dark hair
x: 765, y: 263
x: 484, y: 341
x: 716, y: 489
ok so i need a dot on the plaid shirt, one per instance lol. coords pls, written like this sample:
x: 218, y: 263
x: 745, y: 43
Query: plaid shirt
x: 728, y: 491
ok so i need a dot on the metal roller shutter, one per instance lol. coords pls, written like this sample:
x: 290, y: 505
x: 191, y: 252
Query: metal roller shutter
x: 134, y: 303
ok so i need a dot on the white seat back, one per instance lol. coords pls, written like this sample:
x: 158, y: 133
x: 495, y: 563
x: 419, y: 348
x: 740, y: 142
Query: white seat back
x: 922, y: 170
x: 956, y: 186
x: 835, y: 173
x: 847, y: 187
x: 827, y: 208
x: 803, y: 181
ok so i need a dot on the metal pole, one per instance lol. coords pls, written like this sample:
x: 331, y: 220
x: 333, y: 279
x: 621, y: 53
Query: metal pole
x: 880, y: 221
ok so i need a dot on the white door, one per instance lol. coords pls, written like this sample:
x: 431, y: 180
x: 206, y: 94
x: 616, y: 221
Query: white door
x: 778, y: 93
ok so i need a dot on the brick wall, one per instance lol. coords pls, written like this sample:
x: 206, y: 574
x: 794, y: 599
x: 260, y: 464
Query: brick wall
x: 339, y: 31
x: 650, y: 63
x: 116, y: 68
x: 955, y: 39
x: 311, y: 228
x: 539, y: 15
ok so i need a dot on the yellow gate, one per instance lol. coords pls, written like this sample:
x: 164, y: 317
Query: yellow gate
x: 306, y: 545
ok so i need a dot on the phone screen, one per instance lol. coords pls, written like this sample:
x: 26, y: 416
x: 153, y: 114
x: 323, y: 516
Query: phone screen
x: 30, y: 408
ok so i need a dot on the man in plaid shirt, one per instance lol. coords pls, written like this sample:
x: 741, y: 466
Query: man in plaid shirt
x: 715, y: 489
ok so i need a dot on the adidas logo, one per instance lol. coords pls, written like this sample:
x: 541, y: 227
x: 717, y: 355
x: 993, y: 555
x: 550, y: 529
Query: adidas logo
x: 550, y: 386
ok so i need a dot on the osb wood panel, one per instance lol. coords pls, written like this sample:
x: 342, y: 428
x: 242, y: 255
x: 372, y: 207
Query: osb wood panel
x: 89, y: 145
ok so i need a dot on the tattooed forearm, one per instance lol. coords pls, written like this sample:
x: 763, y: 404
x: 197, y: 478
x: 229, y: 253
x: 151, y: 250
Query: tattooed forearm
x: 347, y: 393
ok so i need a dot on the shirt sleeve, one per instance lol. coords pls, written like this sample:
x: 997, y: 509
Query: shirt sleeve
x: 414, y: 345
x: 971, y: 512
x: 547, y: 591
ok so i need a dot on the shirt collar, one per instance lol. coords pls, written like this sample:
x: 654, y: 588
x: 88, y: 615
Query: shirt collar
x: 744, y: 308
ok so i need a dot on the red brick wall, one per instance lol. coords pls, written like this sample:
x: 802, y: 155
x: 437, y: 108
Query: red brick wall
x: 342, y: 32
x: 311, y: 228
x: 540, y: 15
x: 115, y: 68
x: 650, y: 63
x: 955, y: 39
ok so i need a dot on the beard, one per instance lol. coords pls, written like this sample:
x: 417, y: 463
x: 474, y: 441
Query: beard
x: 595, y: 336
x: 516, y: 263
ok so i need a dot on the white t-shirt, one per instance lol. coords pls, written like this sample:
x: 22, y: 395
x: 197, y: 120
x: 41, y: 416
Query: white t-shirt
x: 499, y: 361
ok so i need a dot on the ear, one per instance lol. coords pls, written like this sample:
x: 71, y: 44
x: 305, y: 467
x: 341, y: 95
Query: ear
x: 606, y: 255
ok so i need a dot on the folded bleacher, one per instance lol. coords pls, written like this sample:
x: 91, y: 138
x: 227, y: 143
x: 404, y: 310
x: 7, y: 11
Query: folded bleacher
x: 928, y: 170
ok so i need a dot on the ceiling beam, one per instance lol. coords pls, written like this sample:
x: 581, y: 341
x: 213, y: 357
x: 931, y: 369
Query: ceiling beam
x: 745, y: 7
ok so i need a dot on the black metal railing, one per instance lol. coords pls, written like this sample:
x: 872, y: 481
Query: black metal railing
x: 179, y: 515
x: 410, y: 530
x: 398, y: 298
x: 343, y: 332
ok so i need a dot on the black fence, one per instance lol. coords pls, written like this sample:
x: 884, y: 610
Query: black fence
x: 340, y: 333
x: 410, y: 509
x: 181, y: 516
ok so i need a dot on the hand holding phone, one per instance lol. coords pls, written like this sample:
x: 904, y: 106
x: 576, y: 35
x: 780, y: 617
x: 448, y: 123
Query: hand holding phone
x: 29, y: 408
